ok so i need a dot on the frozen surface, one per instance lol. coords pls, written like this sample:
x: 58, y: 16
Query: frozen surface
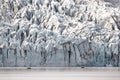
x: 59, y: 33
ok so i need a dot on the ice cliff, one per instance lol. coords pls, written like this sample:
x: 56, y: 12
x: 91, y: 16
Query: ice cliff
x: 59, y: 33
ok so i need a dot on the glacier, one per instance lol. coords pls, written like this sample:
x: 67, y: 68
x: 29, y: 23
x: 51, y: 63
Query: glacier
x: 59, y: 33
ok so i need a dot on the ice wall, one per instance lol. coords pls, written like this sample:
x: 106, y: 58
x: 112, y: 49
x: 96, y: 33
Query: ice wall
x: 59, y: 33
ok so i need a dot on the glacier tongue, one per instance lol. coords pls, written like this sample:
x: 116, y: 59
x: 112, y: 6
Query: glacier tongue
x: 59, y: 33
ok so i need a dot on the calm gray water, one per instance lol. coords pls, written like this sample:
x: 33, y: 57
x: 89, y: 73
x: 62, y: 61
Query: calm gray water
x: 61, y: 74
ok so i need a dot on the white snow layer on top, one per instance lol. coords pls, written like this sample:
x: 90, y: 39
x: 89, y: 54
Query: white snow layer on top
x: 59, y: 33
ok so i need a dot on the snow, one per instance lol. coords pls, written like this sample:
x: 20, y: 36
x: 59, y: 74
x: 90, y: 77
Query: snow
x: 59, y: 33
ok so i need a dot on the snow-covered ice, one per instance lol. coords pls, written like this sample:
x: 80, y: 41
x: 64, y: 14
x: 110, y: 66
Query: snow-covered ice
x: 59, y: 33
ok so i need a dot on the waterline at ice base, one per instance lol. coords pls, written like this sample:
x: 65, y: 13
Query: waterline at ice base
x: 59, y: 33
